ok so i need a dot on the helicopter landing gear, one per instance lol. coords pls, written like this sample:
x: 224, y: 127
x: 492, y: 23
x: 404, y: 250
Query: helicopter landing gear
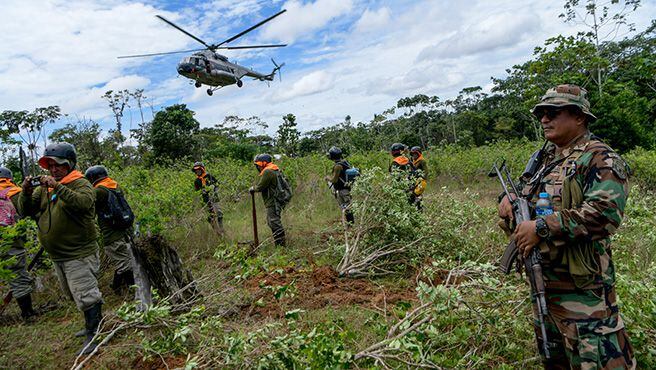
x: 198, y: 84
x: 240, y: 83
x: 211, y: 90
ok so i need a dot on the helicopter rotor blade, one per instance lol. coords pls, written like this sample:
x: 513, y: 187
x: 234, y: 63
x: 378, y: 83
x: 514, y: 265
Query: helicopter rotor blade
x: 183, y: 31
x: 251, y: 46
x: 242, y: 33
x: 155, y: 54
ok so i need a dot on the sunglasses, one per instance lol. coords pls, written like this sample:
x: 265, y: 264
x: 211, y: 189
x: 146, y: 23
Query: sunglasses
x: 550, y: 112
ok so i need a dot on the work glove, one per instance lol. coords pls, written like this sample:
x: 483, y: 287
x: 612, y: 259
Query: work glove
x: 251, y: 189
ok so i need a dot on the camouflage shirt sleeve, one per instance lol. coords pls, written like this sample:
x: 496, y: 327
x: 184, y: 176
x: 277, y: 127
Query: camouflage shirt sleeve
x: 423, y: 167
x: 605, y: 192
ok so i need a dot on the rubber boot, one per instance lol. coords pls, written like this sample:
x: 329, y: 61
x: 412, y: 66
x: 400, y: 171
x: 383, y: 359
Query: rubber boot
x: 117, y: 283
x: 349, y: 218
x: 80, y: 333
x: 127, y: 278
x: 25, y: 304
x: 92, y: 318
x: 279, y: 238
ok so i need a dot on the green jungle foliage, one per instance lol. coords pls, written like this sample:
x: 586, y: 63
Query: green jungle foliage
x: 479, y: 318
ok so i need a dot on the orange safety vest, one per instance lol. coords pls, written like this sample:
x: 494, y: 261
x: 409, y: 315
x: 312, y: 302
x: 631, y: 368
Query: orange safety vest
x: 401, y: 160
x: 13, y: 188
x: 268, y: 166
x: 106, y: 182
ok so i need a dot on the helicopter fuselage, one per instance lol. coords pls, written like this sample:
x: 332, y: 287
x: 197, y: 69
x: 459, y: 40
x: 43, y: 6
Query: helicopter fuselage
x: 206, y: 67
x: 213, y: 69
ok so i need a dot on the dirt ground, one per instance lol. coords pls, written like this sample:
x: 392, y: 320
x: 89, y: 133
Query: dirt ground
x: 314, y: 289
x: 159, y: 363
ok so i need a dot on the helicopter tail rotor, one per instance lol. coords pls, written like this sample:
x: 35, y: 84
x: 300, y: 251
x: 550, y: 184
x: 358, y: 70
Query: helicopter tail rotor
x: 278, y: 68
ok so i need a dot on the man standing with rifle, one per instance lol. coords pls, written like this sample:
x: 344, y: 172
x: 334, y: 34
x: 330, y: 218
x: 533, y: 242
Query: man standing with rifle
x: 587, y: 183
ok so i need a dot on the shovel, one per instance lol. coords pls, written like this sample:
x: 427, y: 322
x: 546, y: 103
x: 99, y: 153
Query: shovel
x: 256, y: 240
x: 255, y: 243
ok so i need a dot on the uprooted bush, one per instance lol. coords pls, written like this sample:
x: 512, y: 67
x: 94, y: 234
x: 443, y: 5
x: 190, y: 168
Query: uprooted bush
x: 386, y: 225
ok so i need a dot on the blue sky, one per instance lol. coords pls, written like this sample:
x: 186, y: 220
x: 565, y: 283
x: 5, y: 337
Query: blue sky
x: 345, y: 57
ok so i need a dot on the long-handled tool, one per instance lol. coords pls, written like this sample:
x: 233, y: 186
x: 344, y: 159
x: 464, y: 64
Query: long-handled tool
x: 256, y: 240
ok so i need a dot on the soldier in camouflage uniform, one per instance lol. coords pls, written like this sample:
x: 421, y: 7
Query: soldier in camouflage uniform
x: 587, y: 181
x: 267, y: 185
x: 207, y: 183
x: 420, y: 174
x: 338, y: 183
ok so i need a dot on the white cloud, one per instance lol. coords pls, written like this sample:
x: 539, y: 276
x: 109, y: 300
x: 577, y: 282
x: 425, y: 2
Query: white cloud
x: 87, y: 103
x: 373, y: 20
x: 63, y: 49
x: 312, y: 83
x: 302, y: 19
x: 493, y: 32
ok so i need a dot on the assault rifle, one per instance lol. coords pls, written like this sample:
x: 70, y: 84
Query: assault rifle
x: 532, y: 266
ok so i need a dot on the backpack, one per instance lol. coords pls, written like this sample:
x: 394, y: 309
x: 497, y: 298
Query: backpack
x: 118, y: 213
x: 283, y: 193
x: 8, y: 215
x: 348, y: 175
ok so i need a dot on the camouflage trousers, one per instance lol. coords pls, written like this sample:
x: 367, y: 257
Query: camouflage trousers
x: 119, y: 253
x: 22, y: 283
x: 585, y: 331
x: 416, y: 201
x: 79, y: 280
x: 274, y: 221
x: 215, y: 217
x: 344, y: 200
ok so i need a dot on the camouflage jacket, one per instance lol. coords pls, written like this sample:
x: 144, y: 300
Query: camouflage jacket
x: 592, y: 180
x: 208, y: 188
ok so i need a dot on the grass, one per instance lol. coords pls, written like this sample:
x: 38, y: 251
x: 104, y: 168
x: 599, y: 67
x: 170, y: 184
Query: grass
x: 487, y: 326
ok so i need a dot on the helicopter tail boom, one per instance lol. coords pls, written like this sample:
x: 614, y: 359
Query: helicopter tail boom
x: 277, y: 68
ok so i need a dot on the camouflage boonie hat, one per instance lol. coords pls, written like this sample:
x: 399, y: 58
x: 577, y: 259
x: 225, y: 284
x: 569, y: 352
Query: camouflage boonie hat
x: 565, y: 95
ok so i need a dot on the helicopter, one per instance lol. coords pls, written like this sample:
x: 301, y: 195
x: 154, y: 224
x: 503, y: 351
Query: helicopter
x: 207, y: 67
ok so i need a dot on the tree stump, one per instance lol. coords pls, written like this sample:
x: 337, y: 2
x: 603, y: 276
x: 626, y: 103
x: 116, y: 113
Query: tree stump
x: 164, y: 271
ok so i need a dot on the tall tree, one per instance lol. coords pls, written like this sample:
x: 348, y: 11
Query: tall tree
x: 171, y: 134
x: 29, y: 126
x: 85, y: 136
x: 605, y: 21
x: 118, y: 101
x: 139, y: 97
x: 287, y: 136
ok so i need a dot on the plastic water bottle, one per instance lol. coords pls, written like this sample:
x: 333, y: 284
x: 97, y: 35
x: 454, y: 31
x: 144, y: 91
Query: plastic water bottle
x: 543, y: 207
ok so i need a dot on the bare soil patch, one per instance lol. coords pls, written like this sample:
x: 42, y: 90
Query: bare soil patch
x: 281, y: 290
x: 158, y: 363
